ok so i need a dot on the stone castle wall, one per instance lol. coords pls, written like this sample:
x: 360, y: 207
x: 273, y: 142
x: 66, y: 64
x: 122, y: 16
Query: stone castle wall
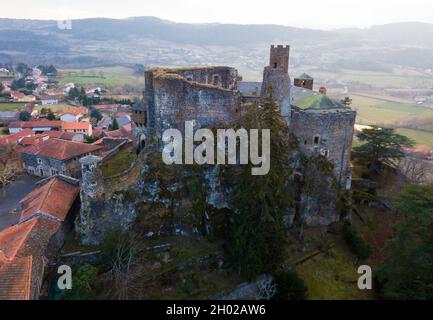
x: 172, y: 99
x: 329, y: 133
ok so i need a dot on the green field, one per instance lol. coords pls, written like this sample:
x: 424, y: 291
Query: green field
x: 56, y: 108
x: 11, y: 106
x: 375, y: 111
x: 372, y: 111
x: 397, y: 78
x: 108, y: 77
x: 420, y: 137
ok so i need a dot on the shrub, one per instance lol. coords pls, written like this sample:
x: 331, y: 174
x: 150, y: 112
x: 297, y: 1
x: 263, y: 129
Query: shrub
x: 359, y: 246
x: 289, y: 286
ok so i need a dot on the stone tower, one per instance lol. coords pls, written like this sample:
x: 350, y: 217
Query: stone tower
x: 276, y: 79
x: 91, y: 195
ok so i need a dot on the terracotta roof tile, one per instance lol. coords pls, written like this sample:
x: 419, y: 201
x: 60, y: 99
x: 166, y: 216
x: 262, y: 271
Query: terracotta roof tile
x: 54, y: 198
x: 61, y: 149
x: 15, y: 279
x: 61, y: 135
x: 36, y: 124
x: 12, y: 239
x: 76, y: 126
x: 14, y: 138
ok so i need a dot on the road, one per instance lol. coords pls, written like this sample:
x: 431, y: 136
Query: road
x: 10, y: 197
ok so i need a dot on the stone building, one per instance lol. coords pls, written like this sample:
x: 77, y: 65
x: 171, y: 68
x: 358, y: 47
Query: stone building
x: 56, y: 156
x: 207, y: 95
x: 304, y: 81
x: 325, y: 127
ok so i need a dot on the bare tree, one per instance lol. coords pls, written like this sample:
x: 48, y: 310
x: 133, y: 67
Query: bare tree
x: 267, y: 289
x: 415, y: 168
x: 125, y: 267
x: 6, y: 176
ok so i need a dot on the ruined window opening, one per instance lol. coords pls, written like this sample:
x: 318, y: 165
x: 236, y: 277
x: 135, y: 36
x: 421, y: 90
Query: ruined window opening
x: 316, y: 139
x: 275, y: 65
x: 216, y: 80
x: 305, y: 141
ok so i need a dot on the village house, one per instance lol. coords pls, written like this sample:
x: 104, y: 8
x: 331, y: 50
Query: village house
x: 56, y: 156
x: 21, y: 97
x: 73, y: 114
x: 36, y: 126
x: 78, y: 127
x: 69, y: 136
x: 108, y: 107
x: 26, y: 248
x: 16, y: 137
x: 9, y: 116
x: 49, y: 100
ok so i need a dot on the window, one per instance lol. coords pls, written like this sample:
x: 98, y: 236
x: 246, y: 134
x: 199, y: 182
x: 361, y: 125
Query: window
x: 275, y: 65
x: 216, y: 80
x: 316, y: 139
x: 305, y: 142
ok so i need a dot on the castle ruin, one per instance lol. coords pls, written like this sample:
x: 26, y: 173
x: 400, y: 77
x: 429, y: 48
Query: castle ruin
x: 211, y: 96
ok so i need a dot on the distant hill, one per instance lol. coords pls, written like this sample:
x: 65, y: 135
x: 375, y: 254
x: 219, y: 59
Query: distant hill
x: 152, y: 41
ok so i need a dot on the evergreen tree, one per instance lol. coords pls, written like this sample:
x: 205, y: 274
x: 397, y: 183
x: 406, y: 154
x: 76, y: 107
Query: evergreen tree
x: 115, y: 125
x: 24, y: 116
x: 406, y: 272
x: 257, y: 238
x: 382, y: 146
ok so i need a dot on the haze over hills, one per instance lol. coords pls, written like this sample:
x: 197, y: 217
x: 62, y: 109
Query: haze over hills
x: 153, y: 41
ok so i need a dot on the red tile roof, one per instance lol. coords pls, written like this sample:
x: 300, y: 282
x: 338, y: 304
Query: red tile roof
x: 36, y: 139
x: 76, y: 111
x: 76, y: 126
x: 19, y: 244
x: 61, y: 149
x: 125, y: 131
x: 15, y: 279
x: 13, y: 238
x: 61, y: 135
x: 97, y: 132
x: 14, y: 138
x: 36, y: 124
x: 54, y: 199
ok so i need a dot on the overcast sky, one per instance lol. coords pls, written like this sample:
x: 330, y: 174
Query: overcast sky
x: 323, y: 14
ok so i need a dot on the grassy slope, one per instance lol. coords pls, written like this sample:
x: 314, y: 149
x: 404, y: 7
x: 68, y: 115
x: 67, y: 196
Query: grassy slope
x: 333, y: 276
x: 119, y: 163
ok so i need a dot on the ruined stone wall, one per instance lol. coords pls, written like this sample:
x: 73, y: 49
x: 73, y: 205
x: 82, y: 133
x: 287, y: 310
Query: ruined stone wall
x: 172, y: 100
x: 329, y: 133
x: 102, y: 208
x: 225, y: 77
